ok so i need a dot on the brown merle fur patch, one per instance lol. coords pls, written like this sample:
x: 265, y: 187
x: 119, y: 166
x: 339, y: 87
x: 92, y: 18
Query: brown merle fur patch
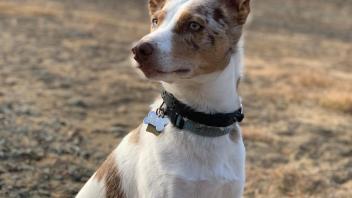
x: 109, y: 172
x: 210, y: 48
x: 218, y: 14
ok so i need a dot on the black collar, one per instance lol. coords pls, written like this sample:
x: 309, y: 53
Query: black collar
x: 177, y: 112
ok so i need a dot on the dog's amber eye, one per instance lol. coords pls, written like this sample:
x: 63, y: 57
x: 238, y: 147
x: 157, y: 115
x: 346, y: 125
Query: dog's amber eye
x: 155, y: 22
x: 194, y: 26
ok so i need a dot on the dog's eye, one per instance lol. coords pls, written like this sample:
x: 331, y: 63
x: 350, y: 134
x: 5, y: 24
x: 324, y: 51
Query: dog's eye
x: 154, y: 22
x: 194, y: 26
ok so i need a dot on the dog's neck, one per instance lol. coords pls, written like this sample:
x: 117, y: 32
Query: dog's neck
x: 212, y: 93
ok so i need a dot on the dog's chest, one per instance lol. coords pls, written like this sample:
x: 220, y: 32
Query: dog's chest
x: 180, y: 164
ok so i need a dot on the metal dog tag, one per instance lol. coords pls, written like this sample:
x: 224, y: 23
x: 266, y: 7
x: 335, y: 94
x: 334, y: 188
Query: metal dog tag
x: 151, y: 129
x: 156, y: 124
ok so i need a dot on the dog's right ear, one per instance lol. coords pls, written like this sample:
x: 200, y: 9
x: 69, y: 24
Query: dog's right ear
x: 155, y: 5
x: 239, y: 9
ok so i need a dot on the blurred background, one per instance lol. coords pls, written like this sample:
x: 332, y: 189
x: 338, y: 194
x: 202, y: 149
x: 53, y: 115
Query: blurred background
x: 68, y: 94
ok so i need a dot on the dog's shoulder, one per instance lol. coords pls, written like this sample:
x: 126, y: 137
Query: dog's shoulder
x: 109, y: 174
x: 106, y: 181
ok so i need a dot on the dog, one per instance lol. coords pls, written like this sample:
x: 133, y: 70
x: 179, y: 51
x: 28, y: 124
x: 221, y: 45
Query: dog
x: 190, y: 144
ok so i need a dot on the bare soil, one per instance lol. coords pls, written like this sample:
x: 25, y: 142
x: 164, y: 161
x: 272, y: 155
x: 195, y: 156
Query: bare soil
x: 68, y: 94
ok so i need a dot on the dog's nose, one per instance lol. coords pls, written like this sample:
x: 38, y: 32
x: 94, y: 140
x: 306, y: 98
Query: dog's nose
x: 143, y: 50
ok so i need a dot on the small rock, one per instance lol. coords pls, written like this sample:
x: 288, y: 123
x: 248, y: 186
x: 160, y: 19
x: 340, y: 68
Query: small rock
x: 77, y: 103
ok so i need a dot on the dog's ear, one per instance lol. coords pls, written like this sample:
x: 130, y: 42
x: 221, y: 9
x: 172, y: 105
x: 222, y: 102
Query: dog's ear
x: 238, y: 9
x: 155, y: 5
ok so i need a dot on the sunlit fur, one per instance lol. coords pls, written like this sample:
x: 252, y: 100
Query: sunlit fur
x: 178, y: 163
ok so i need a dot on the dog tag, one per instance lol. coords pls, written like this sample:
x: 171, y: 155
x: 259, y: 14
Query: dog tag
x: 152, y: 129
x: 156, y: 124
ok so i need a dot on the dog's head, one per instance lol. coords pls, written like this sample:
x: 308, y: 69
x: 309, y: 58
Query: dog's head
x: 190, y: 37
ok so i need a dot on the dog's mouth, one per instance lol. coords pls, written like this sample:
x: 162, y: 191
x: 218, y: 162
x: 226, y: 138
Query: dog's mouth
x: 178, y: 71
x: 152, y: 71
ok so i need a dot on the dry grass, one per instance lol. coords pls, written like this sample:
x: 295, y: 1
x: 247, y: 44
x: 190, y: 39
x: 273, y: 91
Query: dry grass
x: 257, y: 134
x: 310, y: 79
x: 285, y: 181
x: 337, y: 100
x: 49, y: 9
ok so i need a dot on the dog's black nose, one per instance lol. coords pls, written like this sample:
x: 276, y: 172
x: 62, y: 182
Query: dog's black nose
x: 143, y: 50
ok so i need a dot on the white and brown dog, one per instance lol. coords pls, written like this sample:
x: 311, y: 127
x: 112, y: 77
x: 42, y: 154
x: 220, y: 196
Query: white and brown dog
x: 190, y: 146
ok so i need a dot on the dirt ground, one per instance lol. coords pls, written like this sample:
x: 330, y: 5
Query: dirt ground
x: 68, y: 94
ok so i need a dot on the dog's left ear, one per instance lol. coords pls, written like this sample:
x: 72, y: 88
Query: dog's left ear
x: 239, y: 9
x: 155, y: 5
